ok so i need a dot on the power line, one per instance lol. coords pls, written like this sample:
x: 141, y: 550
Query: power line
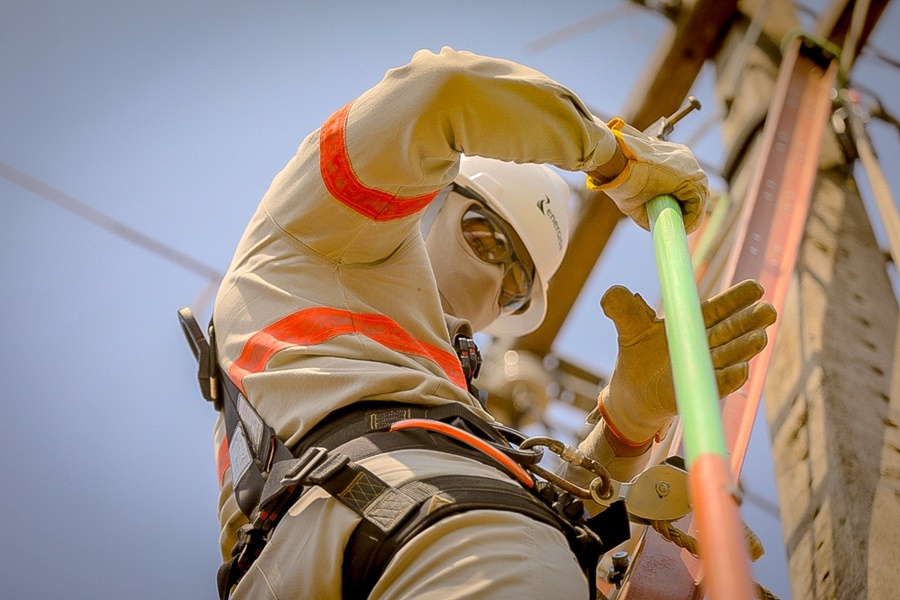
x: 580, y: 27
x: 763, y: 503
x: 881, y: 55
x: 103, y: 221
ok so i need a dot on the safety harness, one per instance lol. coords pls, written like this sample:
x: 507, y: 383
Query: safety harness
x: 268, y: 477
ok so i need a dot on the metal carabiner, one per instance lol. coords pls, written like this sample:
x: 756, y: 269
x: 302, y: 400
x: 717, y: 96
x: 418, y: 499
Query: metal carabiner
x: 574, y: 457
x: 659, y: 493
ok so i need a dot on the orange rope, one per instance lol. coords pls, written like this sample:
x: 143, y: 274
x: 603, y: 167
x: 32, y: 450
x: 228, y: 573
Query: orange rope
x: 467, y: 438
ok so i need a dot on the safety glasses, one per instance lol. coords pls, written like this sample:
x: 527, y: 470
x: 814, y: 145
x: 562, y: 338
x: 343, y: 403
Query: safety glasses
x: 494, y: 241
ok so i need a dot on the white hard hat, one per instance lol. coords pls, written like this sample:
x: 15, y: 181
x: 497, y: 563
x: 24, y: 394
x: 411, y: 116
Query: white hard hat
x: 534, y: 199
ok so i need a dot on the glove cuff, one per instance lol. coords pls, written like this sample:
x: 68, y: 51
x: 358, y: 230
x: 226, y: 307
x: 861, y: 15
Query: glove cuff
x: 621, y: 468
x: 627, y: 431
x: 596, y: 185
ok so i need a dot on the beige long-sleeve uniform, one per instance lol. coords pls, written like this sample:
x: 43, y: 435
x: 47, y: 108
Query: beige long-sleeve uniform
x: 330, y: 300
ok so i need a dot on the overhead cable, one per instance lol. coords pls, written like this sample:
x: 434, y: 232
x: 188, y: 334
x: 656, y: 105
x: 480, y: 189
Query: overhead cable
x: 580, y: 27
x: 103, y: 221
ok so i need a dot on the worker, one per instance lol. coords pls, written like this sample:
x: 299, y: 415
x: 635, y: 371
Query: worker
x: 335, y: 303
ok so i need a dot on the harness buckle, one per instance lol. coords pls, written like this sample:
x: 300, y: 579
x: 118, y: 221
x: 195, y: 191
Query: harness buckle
x: 303, y: 466
x: 250, y: 542
x: 469, y: 357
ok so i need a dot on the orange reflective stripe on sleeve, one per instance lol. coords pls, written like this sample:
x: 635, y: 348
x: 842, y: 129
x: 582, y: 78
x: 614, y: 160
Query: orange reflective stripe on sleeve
x: 342, y: 183
x: 316, y: 325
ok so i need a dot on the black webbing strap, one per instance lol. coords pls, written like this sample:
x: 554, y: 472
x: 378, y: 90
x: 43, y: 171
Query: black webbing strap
x: 371, y: 548
x: 381, y: 505
x: 363, y: 418
x: 287, y: 479
x: 392, y: 516
x: 253, y: 447
x: 387, y: 524
x: 287, y: 476
x: 254, y: 451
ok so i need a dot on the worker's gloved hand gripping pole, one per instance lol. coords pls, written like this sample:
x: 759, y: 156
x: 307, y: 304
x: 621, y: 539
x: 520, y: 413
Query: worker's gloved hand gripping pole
x: 717, y: 518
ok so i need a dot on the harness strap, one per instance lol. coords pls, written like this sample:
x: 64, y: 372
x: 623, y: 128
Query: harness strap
x: 381, y: 506
x: 370, y: 548
x: 363, y: 418
x: 285, y: 477
x: 253, y: 447
x: 390, y: 516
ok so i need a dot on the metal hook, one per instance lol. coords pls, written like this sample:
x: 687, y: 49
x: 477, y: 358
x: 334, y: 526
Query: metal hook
x: 574, y: 457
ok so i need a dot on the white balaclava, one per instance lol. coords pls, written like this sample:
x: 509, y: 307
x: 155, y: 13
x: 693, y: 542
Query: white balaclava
x: 469, y: 287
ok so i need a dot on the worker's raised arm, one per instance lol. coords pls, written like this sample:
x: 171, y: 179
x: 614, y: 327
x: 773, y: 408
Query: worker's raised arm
x: 383, y: 156
x: 407, y: 132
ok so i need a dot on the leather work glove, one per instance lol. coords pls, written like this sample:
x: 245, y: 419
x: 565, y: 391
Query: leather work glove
x: 654, y: 167
x: 639, y: 402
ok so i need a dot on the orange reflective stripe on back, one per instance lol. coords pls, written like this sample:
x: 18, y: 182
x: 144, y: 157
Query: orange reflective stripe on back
x: 342, y: 183
x: 315, y: 325
x: 223, y: 461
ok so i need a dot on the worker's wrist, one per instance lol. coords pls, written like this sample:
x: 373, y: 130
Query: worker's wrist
x: 628, y: 432
x: 610, y: 170
x: 621, y: 447
x: 596, y: 446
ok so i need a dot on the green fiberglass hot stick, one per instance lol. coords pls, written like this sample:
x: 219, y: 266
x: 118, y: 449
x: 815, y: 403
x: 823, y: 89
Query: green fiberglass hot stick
x: 716, y: 515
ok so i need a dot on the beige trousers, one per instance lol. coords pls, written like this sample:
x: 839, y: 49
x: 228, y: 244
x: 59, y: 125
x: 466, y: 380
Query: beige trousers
x: 477, y: 554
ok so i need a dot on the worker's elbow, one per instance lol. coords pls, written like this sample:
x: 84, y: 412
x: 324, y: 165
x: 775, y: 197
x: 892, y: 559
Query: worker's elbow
x: 444, y: 75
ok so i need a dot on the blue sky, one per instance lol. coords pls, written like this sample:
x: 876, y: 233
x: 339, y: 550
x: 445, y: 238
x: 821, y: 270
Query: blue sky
x: 172, y: 118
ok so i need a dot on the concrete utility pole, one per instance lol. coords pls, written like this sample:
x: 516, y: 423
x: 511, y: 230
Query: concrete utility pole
x: 834, y: 428
x: 834, y: 424
x: 835, y: 443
